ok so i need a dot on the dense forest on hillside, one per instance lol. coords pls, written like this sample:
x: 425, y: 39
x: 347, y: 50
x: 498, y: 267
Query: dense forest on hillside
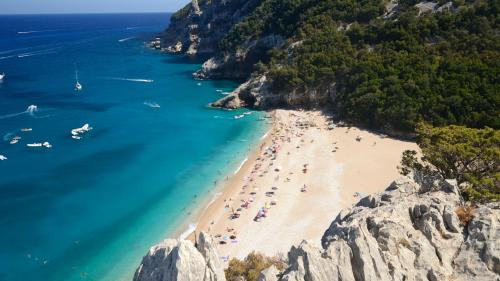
x: 390, y: 70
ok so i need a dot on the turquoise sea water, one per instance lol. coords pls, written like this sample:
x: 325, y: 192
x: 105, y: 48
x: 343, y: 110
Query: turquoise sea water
x: 89, y: 209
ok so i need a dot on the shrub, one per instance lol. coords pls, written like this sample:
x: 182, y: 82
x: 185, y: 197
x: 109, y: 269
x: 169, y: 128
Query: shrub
x: 251, y: 266
x: 471, y: 156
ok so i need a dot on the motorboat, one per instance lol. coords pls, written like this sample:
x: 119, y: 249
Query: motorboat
x: 2, y: 76
x: 2, y: 158
x: 37, y: 144
x: 75, y: 133
x: 78, y: 86
x: 26, y: 130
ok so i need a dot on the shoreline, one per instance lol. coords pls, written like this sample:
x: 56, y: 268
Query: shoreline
x: 221, y: 189
x: 332, y: 162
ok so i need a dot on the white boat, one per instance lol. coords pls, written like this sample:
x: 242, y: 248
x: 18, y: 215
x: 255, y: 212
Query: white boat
x: 2, y: 158
x: 26, y: 130
x: 239, y: 116
x: 78, y: 86
x: 75, y: 133
x: 37, y: 144
x: 2, y: 76
x: 47, y: 145
x: 14, y: 141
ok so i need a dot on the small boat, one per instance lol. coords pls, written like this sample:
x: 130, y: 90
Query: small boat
x: 2, y: 158
x: 78, y: 86
x: 14, y: 141
x: 26, y: 130
x: 75, y: 133
x: 37, y: 144
x: 2, y: 76
x: 239, y: 116
x: 47, y: 145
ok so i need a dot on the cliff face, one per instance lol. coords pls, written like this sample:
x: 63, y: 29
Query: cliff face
x: 256, y: 93
x: 174, y: 260
x: 409, y: 232
x: 198, y: 27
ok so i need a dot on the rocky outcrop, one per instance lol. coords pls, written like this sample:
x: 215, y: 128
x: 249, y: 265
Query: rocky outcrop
x: 269, y: 274
x: 198, y: 27
x: 174, y: 260
x: 256, y: 93
x: 239, y: 63
x: 408, y: 232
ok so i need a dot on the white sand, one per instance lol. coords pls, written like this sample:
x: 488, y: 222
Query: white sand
x: 333, y: 175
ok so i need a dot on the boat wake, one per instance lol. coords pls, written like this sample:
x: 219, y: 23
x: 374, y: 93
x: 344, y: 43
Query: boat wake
x: 30, y: 110
x: 132, y: 80
x: 37, y: 31
x: 152, y: 104
x: 191, y: 228
x: 126, y: 39
x: 39, y: 53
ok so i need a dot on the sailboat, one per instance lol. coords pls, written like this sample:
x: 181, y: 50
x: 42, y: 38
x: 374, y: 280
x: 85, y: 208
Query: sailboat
x: 78, y: 86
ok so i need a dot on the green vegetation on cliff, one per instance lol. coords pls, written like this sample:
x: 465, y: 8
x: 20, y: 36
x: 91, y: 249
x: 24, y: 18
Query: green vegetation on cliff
x: 390, y: 72
x: 468, y: 155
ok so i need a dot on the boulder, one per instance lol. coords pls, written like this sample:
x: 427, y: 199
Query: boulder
x: 174, y: 260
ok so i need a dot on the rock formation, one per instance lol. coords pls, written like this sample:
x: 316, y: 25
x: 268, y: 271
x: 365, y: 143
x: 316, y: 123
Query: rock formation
x: 408, y: 232
x: 198, y: 27
x: 174, y: 260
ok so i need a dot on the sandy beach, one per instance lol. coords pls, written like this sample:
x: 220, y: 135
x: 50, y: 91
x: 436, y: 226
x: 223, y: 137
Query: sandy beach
x: 291, y: 188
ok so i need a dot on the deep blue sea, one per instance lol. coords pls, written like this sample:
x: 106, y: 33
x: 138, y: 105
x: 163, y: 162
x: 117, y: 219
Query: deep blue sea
x: 89, y: 209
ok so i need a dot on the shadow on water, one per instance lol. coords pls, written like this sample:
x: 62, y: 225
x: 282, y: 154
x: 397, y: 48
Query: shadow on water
x: 183, y: 59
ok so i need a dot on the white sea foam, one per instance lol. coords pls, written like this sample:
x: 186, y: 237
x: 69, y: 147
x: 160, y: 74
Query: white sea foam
x: 264, y: 136
x: 216, y: 195
x: 241, y: 165
x: 191, y: 228
x: 132, y: 80
x: 126, y: 39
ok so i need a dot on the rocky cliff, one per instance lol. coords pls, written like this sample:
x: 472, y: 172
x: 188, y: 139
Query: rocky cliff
x: 409, y: 232
x: 412, y: 231
x: 198, y: 27
x: 174, y: 260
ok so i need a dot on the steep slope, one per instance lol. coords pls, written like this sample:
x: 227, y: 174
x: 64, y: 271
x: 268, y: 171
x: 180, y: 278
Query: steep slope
x: 199, y: 26
x: 386, y: 64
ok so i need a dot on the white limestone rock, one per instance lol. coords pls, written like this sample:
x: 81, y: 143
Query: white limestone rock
x: 174, y: 260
